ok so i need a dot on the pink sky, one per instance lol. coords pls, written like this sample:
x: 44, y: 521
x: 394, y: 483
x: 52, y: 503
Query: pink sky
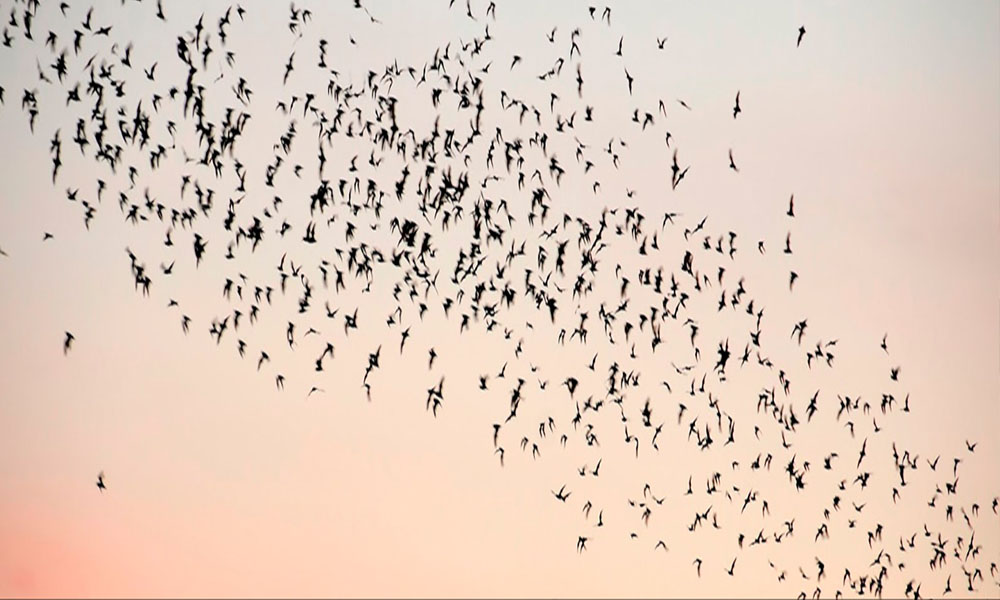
x: 885, y: 126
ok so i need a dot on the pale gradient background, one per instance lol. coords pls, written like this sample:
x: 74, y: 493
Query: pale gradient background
x: 885, y: 124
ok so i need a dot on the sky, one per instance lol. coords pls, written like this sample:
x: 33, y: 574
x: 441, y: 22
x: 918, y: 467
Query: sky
x: 883, y: 124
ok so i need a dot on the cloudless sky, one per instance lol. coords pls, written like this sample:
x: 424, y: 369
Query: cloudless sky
x: 884, y: 124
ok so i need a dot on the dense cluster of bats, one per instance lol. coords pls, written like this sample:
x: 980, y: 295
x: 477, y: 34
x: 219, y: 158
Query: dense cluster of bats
x: 432, y: 198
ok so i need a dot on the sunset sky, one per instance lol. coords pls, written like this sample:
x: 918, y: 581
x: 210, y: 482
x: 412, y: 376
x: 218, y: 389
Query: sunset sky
x: 884, y: 124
